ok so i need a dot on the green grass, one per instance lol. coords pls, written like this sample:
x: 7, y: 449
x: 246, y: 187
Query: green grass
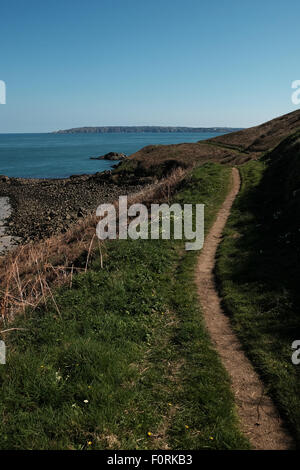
x: 128, y: 363
x: 258, y: 273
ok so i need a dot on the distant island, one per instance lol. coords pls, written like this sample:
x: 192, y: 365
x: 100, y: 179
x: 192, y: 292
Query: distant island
x: 141, y: 129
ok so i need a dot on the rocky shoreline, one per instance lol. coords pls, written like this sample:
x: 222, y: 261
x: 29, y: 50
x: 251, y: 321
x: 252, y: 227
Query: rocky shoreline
x: 43, y: 207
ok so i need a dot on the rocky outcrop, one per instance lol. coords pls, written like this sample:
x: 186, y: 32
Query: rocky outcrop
x: 4, y: 179
x: 111, y: 156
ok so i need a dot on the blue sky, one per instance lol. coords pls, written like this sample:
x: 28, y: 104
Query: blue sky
x: 71, y: 63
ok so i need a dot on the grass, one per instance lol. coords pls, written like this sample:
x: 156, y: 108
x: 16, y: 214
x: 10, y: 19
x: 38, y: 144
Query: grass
x: 258, y: 273
x: 126, y: 362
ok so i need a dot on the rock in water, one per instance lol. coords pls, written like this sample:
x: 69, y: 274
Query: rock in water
x: 110, y: 156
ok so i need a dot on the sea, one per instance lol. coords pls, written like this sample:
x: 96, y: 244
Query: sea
x: 63, y: 155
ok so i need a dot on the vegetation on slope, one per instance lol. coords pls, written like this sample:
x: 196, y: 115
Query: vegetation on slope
x: 159, y: 160
x: 232, y: 148
x: 258, y: 270
x: 125, y: 362
x: 263, y: 137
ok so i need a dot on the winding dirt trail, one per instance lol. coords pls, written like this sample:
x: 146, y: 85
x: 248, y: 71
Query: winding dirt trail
x: 258, y: 416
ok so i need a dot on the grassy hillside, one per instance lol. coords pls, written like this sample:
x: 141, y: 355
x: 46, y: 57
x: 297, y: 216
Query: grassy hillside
x: 124, y: 361
x: 263, y: 137
x: 258, y: 270
x: 234, y: 148
x: 158, y: 160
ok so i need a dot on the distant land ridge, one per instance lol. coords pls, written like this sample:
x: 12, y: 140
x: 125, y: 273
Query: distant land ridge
x: 134, y: 129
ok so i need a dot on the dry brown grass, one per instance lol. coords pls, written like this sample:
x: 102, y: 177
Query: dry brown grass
x: 185, y: 154
x: 263, y: 137
x: 29, y: 274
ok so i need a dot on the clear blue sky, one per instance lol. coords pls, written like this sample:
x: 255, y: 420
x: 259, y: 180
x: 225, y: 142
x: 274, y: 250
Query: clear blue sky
x: 71, y: 63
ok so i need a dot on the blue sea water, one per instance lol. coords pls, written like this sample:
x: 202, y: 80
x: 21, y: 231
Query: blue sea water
x: 62, y: 155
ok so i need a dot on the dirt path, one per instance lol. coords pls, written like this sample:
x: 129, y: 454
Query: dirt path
x: 259, y: 418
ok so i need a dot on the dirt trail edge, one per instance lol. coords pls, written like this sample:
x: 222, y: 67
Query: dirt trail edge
x: 258, y: 416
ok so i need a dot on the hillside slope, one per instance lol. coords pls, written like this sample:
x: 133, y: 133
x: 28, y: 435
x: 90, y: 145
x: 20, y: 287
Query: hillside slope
x: 233, y: 148
x: 263, y: 137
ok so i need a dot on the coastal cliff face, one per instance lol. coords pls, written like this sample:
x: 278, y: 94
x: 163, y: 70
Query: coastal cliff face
x: 141, y: 129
